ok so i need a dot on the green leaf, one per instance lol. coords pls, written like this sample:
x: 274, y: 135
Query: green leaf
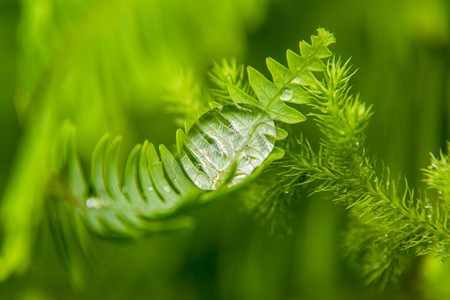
x: 264, y: 88
x: 280, y: 74
x: 321, y: 43
x: 131, y: 177
x: 233, y: 133
x: 241, y: 97
x: 281, y: 112
x: 296, y: 94
x: 183, y: 185
x: 270, y: 97
x: 281, y: 134
x: 294, y: 60
x: 296, y: 64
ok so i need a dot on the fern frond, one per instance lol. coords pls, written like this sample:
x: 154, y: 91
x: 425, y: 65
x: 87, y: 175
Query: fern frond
x: 288, y: 83
x: 233, y: 143
x: 152, y: 188
x: 224, y: 147
x: 147, y: 199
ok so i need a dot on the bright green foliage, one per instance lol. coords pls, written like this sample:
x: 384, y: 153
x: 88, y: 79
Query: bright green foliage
x: 272, y: 195
x: 152, y: 187
x: 130, y: 206
x: 438, y: 177
x: 184, y: 97
x: 389, y: 222
x: 154, y: 192
x: 99, y: 64
x: 288, y: 84
x: 233, y: 144
x: 227, y: 72
x: 227, y: 142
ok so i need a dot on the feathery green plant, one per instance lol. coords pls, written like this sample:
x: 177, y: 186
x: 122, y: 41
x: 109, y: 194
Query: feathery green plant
x: 232, y: 144
x: 221, y: 149
x: 389, y: 220
x: 218, y: 151
x: 227, y: 72
x: 98, y: 64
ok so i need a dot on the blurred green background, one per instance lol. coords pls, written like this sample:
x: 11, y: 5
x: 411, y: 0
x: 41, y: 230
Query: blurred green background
x: 107, y: 66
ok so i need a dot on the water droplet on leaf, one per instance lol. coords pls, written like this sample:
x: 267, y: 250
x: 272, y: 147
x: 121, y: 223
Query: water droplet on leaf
x: 93, y: 203
x: 296, y: 80
x: 241, y: 131
x: 287, y: 94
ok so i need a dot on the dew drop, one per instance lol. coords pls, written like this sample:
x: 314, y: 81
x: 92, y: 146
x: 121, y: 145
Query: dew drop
x: 234, y: 142
x: 287, y: 94
x: 124, y: 190
x: 150, y: 188
x: 441, y: 192
x: 430, y: 216
x: 296, y: 80
x: 166, y: 188
x: 358, y: 144
x: 93, y: 203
